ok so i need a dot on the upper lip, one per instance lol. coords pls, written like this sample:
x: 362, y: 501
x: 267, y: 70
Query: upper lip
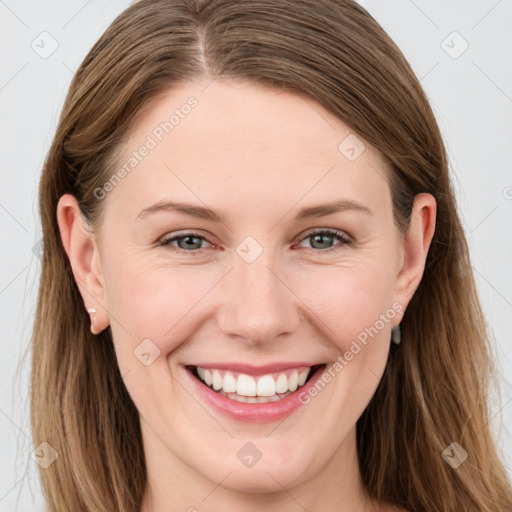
x: 250, y: 369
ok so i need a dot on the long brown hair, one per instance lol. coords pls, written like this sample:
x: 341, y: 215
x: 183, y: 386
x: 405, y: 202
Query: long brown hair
x: 435, y: 387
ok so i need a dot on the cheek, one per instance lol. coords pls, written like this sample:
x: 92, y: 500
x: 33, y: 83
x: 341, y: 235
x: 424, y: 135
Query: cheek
x: 355, y: 308
x: 350, y: 301
x: 152, y: 303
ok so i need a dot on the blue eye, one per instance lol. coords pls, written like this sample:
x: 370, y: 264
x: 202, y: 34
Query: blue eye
x: 187, y: 242
x: 326, y: 234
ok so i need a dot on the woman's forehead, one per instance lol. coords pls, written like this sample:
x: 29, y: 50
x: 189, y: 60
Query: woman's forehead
x: 247, y: 141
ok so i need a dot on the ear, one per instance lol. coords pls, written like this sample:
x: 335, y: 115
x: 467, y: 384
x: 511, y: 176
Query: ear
x: 416, y: 243
x: 80, y: 245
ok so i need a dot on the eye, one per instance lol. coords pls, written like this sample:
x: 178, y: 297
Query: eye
x: 187, y: 242
x: 324, y: 237
x: 190, y: 243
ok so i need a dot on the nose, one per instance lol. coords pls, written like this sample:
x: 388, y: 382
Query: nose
x: 258, y: 304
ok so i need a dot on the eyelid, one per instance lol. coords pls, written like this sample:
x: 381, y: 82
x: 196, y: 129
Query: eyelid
x: 174, y: 235
x: 329, y: 231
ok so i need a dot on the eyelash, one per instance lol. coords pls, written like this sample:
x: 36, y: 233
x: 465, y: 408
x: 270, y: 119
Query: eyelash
x: 345, y: 240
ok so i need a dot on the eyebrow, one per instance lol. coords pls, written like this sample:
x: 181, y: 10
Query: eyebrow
x: 205, y: 213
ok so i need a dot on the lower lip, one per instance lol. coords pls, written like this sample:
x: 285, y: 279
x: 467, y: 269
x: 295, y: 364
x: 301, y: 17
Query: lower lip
x: 255, y: 413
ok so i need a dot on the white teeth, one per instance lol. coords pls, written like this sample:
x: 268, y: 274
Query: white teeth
x: 229, y: 383
x: 303, y: 376
x: 246, y: 385
x: 263, y: 387
x: 266, y: 386
x: 293, y: 381
x: 282, y: 384
x: 252, y: 399
x: 217, y: 380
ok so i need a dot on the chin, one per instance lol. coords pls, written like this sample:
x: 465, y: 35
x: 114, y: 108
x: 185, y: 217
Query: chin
x: 276, y: 470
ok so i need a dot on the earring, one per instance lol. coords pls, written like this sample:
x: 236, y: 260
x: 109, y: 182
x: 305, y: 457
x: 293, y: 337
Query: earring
x: 396, y: 335
x: 93, y: 312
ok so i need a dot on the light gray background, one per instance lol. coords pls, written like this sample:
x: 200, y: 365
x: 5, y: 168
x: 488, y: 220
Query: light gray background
x: 471, y: 96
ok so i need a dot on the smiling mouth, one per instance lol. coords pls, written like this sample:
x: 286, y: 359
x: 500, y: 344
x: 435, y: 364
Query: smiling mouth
x: 246, y: 388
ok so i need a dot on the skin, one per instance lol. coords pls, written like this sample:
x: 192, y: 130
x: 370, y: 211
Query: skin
x: 256, y: 156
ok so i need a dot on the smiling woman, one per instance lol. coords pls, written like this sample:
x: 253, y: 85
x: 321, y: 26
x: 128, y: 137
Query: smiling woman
x: 244, y: 205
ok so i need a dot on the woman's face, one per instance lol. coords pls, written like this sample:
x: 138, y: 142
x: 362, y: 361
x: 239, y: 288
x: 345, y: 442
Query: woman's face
x: 252, y: 277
